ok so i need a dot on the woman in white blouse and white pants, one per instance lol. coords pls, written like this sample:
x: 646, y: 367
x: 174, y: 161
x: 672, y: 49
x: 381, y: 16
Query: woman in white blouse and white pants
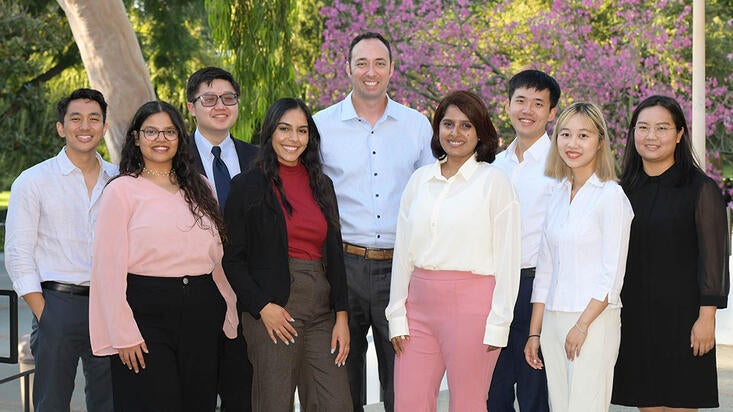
x: 580, y: 271
x: 455, y: 272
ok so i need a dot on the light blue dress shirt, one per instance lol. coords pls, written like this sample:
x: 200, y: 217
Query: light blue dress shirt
x: 370, y: 166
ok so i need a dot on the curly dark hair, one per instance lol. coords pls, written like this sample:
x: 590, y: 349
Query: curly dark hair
x: 310, y: 158
x: 196, y: 191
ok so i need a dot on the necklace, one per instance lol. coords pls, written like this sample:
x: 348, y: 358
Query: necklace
x: 157, y: 173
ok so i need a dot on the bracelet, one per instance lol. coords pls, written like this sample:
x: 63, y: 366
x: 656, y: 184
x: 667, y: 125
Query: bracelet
x: 533, y: 336
x: 581, y: 330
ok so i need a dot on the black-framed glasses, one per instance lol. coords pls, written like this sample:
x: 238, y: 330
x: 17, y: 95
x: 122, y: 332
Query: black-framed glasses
x: 210, y: 99
x: 151, y: 133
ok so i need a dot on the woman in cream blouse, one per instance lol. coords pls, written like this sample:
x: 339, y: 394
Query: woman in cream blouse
x: 455, y: 273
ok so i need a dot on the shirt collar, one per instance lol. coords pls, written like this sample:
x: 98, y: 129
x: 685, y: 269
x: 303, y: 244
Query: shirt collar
x: 592, y: 180
x: 466, y: 170
x: 205, y: 145
x: 538, y: 150
x: 67, y: 166
x: 348, y: 111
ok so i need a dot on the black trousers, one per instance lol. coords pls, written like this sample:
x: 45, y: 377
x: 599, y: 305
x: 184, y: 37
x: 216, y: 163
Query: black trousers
x: 180, y: 320
x: 235, y: 374
x: 369, y: 283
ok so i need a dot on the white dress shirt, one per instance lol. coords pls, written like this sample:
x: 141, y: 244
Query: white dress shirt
x: 49, y: 230
x: 533, y: 189
x: 370, y: 166
x: 584, y: 247
x: 228, y: 155
x: 469, y: 222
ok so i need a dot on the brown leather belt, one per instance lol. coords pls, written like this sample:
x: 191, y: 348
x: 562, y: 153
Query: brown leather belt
x: 368, y: 253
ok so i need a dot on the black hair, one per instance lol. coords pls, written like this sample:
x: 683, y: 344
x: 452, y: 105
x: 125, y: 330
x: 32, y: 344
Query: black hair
x: 535, y: 79
x: 196, y: 191
x: 207, y: 75
x: 633, y: 165
x: 86, y: 94
x: 310, y: 158
x: 478, y: 114
x: 366, y: 36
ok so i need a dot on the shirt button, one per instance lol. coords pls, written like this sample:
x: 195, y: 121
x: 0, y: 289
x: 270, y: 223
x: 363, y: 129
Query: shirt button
x: 374, y: 152
x: 378, y: 236
x: 185, y: 280
x: 377, y: 195
x: 379, y: 216
x: 375, y: 174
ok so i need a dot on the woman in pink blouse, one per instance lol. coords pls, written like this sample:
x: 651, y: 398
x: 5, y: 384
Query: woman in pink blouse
x: 159, y: 297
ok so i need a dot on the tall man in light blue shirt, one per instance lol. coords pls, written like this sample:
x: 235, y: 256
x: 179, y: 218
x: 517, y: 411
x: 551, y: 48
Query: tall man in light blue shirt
x: 533, y: 97
x: 370, y: 145
x: 48, y: 254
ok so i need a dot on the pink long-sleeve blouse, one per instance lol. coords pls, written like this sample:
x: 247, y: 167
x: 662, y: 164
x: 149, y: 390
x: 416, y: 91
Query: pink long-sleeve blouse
x: 144, y: 229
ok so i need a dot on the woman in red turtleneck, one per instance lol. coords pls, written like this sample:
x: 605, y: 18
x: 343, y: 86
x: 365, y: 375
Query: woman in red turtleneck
x: 284, y: 260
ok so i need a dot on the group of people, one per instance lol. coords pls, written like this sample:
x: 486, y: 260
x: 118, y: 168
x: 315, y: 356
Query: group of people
x: 204, y: 265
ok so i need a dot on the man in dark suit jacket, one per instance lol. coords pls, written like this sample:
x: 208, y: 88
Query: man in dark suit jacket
x: 213, y: 100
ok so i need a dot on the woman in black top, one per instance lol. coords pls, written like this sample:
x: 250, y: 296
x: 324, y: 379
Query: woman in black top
x: 677, y: 267
x: 285, y: 262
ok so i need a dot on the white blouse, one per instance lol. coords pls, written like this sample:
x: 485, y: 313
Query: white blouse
x: 469, y: 222
x: 584, y: 247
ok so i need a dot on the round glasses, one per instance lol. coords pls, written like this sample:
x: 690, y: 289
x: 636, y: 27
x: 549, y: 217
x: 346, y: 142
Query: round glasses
x: 209, y: 100
x: 151, y: 133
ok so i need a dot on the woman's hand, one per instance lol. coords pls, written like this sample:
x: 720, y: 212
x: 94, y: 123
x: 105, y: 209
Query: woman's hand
x: 340, y: 338
x: 532, y: 352
x: 574, y: 341
x: 132, y: 357
x: 702, y: 336
x: 398, y: 343
x: 278, y: 321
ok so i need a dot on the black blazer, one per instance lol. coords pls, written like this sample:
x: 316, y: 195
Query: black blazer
x: 246, y: 152
x: 256, y: 254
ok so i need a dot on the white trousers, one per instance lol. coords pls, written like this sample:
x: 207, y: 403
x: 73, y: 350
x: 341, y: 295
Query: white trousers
x: 584, y: 384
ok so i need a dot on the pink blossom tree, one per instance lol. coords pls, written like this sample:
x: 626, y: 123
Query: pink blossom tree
x: 613, y: 53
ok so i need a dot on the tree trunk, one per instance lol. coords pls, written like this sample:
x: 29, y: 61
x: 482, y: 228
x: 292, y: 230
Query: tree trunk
x: 113, y: 62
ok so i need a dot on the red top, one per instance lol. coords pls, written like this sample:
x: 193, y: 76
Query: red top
x: 307, y: 225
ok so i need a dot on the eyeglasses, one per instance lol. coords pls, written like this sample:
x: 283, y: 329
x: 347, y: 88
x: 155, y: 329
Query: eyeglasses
x: 151, y: 133
x: 643, y: 130
x: 209, y: 100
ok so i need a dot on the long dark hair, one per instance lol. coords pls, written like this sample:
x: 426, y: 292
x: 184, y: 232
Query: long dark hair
x: 310, y: 158
x: 196, y: 190
x: 633, y: 165
x: 478, y: 114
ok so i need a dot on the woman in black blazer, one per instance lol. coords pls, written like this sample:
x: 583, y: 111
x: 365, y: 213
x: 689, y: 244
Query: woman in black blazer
x: 284, y: 260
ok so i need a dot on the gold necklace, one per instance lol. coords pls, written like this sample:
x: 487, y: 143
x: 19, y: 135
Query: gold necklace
x: 157, y: 173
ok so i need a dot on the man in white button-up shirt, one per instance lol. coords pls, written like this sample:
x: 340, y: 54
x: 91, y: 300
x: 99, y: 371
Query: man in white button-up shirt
x: 533, y: 98
x: 370, y: 145
x: 48, y: 254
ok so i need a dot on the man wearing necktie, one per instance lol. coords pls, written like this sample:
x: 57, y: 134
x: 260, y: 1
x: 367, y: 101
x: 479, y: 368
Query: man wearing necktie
x: 213, y: 101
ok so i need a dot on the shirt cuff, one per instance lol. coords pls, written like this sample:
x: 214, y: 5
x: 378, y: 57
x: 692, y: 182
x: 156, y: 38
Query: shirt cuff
x: 398, y: 327
x: 26, y: 285
x: 496, y: 335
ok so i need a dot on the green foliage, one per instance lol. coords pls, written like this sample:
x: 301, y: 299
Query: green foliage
x: 37, y: 46
x: 175, y: 42
x: 257, y: 36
